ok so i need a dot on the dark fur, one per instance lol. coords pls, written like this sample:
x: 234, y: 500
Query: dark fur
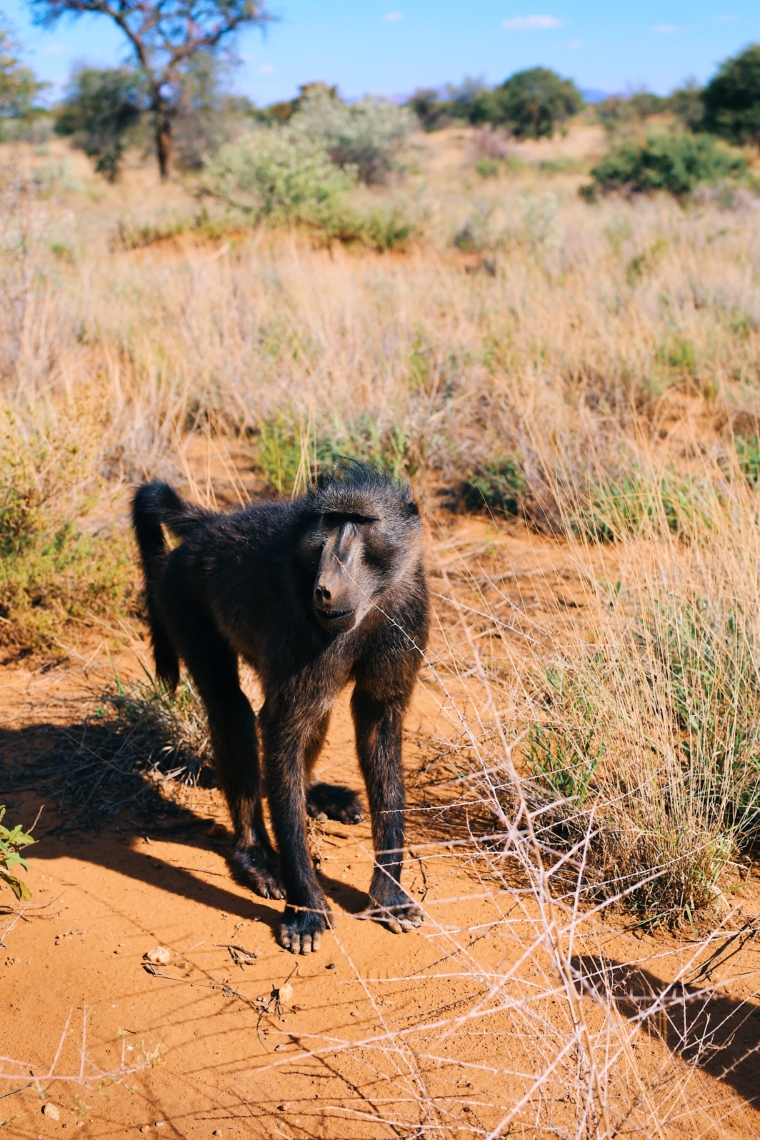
x: 318, y: 593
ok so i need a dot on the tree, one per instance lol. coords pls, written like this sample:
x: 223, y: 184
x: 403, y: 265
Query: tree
x: 687, y: 104
x: 99, y: 110
x: 532, y: 103
x: 732, y: 99
x: 164, y: 35
x: 19, y: 85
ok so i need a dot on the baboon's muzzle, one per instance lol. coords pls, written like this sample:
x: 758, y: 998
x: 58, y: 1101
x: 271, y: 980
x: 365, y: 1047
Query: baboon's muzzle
x: 336, y: 593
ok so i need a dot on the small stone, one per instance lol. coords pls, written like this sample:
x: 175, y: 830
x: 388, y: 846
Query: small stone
x: 285, y: 992
x: 51, y: 1111
x: 330, y: 966
x: 217, y: 1132
x: 145, y: 1128
x: 159, y: 1124
x: 159, y: 956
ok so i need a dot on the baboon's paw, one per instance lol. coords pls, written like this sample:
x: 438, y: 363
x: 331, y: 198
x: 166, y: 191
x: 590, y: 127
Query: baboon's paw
x: 258, y: 869
x: 395, y: 910
x: 301, y: 931
x: 334, y: 801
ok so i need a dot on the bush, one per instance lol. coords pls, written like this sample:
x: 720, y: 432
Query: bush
x: 732, y: 99
x: 498, y: 486
x: 11, y: 842
x: 51, y: 572
x: 367, y: 136
x: 99, y: 111
x: 280, y: 176
x: 675, y: 161
x: 616, y: 112
x: 531, y: 104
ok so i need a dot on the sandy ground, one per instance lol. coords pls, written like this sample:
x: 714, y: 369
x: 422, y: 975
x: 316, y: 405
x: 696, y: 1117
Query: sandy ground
x: 383, y: 1035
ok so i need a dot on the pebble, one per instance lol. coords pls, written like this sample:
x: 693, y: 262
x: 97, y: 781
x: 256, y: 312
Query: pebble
x: 330, y: 966
x: 51, y: 1111
x: 159, y: 956
x: 285, y: 992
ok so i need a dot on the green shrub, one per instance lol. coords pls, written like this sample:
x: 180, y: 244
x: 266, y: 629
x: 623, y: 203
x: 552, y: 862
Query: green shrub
x: 531, y: 104
x: 366, y: 137
x: 279, y: 176
x: 732, y: 98
x: 748, y: 457
x: 674, y: 161
x: 629, y: 504
x: 289, y: 452
x: 51, y: 572
x: 99, y: 111
x: 11, y: 842
x: 499, y: 485
x: 487, y: 167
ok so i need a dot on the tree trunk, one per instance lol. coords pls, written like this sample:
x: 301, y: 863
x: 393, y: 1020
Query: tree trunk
x: 164, y: 144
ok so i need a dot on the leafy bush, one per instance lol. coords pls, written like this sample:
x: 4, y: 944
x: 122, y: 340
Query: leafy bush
x: 279, y: 176
x: 747, y: 449
x: 288, y: 452
x: 499, y: 485
x: 531, y: 104
x: 687, y: 104
x: 366, y: 137
x: 618, y: 111
x: 11, y: 842
x: 732, y: 99
x: 99, y: 110
x: 51, y: 572
x: 674, y: 161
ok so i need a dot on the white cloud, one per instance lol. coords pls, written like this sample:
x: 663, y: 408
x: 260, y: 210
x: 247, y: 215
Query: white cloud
x: 531, y: 23
x: 574, y: 45
x: 664, y: 29
x: 266, y: 69
x: 393, y: 17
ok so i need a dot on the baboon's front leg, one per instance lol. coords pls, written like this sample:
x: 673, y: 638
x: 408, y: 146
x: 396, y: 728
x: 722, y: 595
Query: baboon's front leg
x: 285, y: 743
x: 378, y: 743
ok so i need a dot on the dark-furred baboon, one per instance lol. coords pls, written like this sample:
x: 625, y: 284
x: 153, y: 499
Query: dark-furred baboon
x: 317, y: 593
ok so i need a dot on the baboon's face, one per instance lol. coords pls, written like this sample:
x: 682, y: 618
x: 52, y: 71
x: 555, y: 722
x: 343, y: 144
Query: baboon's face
x: 352, y: 558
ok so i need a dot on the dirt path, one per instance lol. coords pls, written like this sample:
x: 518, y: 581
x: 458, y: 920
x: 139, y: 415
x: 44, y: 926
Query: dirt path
x: 433, y: 1034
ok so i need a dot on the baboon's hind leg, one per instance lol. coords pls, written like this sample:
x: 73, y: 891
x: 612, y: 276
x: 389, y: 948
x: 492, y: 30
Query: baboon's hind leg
x: 214, y: 668
x: 328, y: 801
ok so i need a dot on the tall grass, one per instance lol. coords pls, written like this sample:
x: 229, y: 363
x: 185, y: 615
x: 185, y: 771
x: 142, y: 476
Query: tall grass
x: 583, y: 367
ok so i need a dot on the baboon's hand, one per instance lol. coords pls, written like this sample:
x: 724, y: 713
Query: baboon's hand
x: 301, y: 930
x: 394, y: 909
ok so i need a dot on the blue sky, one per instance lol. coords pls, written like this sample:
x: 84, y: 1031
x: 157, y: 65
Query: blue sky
x: 390, y: 47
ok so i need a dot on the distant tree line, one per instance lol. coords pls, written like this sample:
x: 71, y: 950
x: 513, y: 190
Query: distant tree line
x: 537, y: 102
x: 530, y: 104
x: 173, y: 97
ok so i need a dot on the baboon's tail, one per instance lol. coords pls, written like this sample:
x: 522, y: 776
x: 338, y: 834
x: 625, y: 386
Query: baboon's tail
x: 154, y: 506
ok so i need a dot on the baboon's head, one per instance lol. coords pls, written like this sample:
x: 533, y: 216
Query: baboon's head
x: 362, y: 537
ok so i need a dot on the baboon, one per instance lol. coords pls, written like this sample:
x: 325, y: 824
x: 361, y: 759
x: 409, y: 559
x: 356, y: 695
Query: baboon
x: 317, y: 593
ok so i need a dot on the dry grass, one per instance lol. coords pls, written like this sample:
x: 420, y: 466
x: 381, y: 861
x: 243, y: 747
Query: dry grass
x: 601, y: 358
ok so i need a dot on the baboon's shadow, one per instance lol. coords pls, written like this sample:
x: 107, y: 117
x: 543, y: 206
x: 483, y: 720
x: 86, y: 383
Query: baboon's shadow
x: 712, y: 1031
x: 95, y: 797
